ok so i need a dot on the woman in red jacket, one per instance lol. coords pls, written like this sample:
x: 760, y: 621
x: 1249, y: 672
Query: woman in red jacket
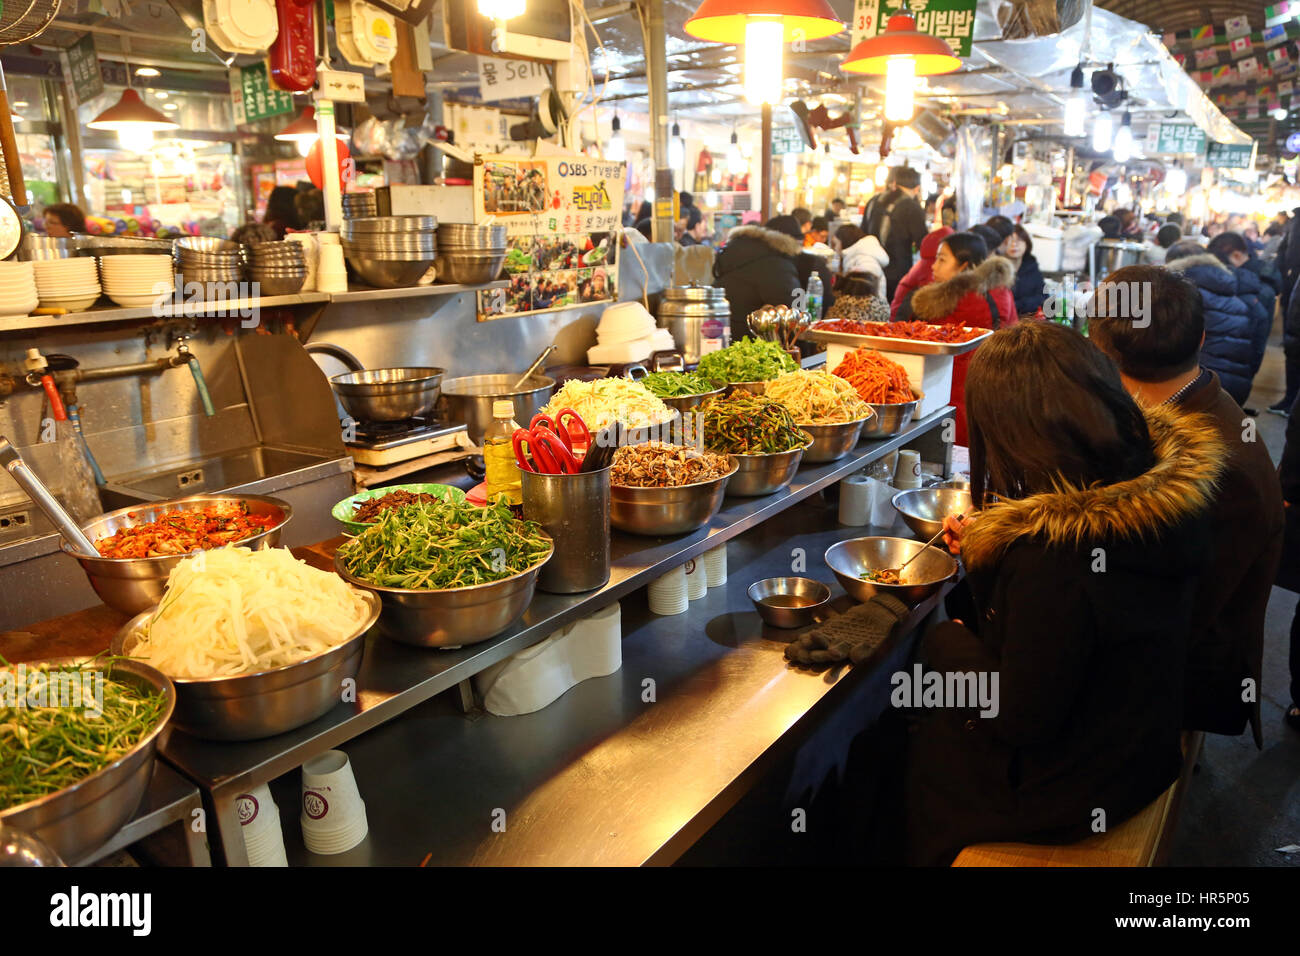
x: 921, y: 272
x: 972, y: 289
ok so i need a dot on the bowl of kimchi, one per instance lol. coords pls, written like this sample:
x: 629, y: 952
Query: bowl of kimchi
x: 138, y: 546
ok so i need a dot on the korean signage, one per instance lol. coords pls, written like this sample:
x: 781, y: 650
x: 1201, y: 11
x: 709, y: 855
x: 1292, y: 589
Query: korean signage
x: 254, y: 97
x: 1229, y: 155
x: 563, y: 215
x: 83, y: 69
x: 510, y: 79
x: 1180, y: 138
x: 951, y: 20
x: 786, y: 139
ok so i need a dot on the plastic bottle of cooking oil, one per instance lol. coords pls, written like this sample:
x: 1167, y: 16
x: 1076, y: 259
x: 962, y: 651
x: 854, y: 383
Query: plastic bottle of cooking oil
x: 499, y: 454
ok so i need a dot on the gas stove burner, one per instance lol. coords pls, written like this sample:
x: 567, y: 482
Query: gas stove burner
x: 384, y: 443
x: 386, y: 431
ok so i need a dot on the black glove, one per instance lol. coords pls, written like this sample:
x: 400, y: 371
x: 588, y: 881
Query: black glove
x: 851, y: 636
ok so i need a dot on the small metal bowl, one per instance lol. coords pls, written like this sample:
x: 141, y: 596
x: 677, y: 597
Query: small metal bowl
x: 833, y: 442
x: 79, y: 819
x: 764, y: 474
x: 667, y: 511
x: 389, y: 273
x: 789, y: 602
x: 265, y: 703
x: 923, y: 509
x: 924, y: 576
x: 754, y: 388
x: 452, y: 617
x: 890, y: 419
x: 132, y: 585
x: 687, y: 403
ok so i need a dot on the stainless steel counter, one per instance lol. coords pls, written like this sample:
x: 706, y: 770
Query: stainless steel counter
x: 395, y: 678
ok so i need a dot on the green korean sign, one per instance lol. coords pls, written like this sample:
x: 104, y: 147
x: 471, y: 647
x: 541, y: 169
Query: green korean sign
x: 1228, y: 155
x: 83, y: 69
x: 253, y: 95
x: 951, y: 20
x: 1180, y: 138
x: 786, y: 139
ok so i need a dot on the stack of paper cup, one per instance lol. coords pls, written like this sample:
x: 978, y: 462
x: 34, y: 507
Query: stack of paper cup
x: 259, y: 822
x: 667, y: 595
x: 855, y: 500
x: 333, y: 813
x: 715, y: 565
x: 697, y: 579
x: 908, y: 474
x: 331, y: 271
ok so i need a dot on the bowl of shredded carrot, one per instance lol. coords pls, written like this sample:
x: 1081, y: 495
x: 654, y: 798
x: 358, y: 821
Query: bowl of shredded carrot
x: 882, y: 384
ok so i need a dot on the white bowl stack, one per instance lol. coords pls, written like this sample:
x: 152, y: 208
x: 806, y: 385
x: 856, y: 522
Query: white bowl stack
x: 627, y: 333
x: 71, y: 284
x: 133, y: 281
x: 18, y: 295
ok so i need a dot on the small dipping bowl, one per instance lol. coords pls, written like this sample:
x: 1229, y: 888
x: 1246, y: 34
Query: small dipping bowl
x: 789, y: 602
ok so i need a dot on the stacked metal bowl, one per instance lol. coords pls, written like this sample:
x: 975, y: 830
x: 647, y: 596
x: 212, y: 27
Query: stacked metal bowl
x: 279, y: 268
x: 471, y: 255
x: 205, y: 259
x: 360, y: 205
x: 390, y: 251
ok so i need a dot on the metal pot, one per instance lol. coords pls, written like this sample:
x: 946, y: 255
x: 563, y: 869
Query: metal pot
x: 388, y: 394
x: 699, y: 318
x: 469, y: 399
x: 1115, y: 254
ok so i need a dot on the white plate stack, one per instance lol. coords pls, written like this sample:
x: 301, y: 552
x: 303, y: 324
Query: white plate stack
x: 71, y: 284
x: 133, y: 281
x: 627, y: 333
x: 18, y: 294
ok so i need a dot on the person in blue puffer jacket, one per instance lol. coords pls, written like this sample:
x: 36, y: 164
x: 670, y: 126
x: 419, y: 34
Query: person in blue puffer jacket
x: 1235, y: 336
x: 1257, y: 286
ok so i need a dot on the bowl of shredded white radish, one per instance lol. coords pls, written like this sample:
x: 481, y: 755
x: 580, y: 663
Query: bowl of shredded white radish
x: 256, y: 642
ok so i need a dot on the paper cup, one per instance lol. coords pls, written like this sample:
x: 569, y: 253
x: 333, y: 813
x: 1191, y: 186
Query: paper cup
x: 697, y: 579
x: 667, y: 594
x: 855, y: 501
x: 259, y: 821
x: 715, y: 565
x: 908, y: 473
x: 333, y: 815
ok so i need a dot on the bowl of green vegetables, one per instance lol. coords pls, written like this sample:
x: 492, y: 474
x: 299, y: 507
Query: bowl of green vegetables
x: 447, y: 573
x: 682, y: 391
x: 75, y: 775
x: 746, y: 366
x: 761, y: 437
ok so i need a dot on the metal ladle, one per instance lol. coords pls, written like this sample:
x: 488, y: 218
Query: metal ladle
x: 537, y: 363
x: 925, y: 547
x: 36, y: 490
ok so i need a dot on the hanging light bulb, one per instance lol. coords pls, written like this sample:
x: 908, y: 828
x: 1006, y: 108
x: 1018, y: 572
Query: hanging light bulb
x: 764, y: 52
x: 1102, y: 131
x: 1123, y: 147
x: 900, y: 84
x: 882, y: 174
x: 826, y: 174
x: 502, y: 9
x: 1176, y: 181
x: 676, y: 148
x: 1076, y: 104
x: 135, y: 139
x: 616, y: 152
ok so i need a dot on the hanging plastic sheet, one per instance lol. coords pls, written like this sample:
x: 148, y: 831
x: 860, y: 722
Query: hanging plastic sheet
x: 970, y: 172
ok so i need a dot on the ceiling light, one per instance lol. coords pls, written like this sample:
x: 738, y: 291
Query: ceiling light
x: 1076, y: 104
x: 146, y: 71
x: 131, y: 113
x: 19, y: 104
x: 617, y: 149
x: 170, y: 106
x: 676, y: 148
x: 502, y: 9
x: 1123, y: 147
x: 1279, y: 114
x: 1102, y: 131
x: 901, y: 54
x: 161, y: 94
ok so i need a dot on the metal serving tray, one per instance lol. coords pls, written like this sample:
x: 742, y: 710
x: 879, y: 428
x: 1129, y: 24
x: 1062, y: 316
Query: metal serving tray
x: 889, y: 344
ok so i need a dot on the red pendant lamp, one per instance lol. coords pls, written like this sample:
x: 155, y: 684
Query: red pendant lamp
x: 725, y: 21
x: 901, y: 54
x: 131, y: 113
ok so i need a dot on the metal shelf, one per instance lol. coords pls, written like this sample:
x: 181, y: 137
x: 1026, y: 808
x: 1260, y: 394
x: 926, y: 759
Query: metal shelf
x: 170, y: 799
x: 363, y: 294
x: 396, y: 677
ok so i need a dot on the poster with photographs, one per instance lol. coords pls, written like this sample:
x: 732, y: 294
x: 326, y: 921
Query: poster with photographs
x: 562, y: 219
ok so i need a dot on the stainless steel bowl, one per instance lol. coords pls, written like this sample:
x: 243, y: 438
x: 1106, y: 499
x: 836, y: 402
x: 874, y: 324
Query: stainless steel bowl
x: 469, y: 399
x: 389, y: 273
x: 266, y: 703
x: 79, y: 819
x: 923, y: 577
x: 833, y: 442
x: 923, y: 509
x: 206, y: 244
x: 385, y: 224
x: 469, y: 270
x: 789, y: 602
x: 388, y: 394
x: 279, y: 285
x: 754, y: 388
x: 132, y: 585
x: 122, y: 246
x: 890, y: 419
x: 453, y: 617
x: 667, y: 511
x: 686, y: 403
x: 38, y: 248
x: 763, y: 474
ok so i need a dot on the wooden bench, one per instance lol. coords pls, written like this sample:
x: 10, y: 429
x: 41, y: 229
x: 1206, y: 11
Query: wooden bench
x: 1141, y: 840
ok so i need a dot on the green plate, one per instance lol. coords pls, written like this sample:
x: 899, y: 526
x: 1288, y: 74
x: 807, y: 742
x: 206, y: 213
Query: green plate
x: 342, y: 511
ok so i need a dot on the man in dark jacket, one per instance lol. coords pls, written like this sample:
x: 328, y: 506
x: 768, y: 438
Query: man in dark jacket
x: 1159, y: 363
x: 1257, y: 286
x: 1234, y: 338
x: 1287, y: 262
x: 1289, y: 472
x: 805, y: 263
x: 757, y: 268
x: 898, y: 221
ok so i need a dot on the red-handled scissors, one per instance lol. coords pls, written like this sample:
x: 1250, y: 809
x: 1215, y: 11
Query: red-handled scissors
x: 568, y: 424
x: 550, y: 455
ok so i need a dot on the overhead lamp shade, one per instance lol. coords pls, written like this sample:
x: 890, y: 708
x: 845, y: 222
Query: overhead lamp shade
x: 723, y: 21
x: 131, y: 113
x: 304, y: 127
x: 872, y: 55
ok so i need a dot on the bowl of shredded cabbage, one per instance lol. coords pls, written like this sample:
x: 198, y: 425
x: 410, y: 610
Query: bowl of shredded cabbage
x: 602, y: 402
x: 256, y: 642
